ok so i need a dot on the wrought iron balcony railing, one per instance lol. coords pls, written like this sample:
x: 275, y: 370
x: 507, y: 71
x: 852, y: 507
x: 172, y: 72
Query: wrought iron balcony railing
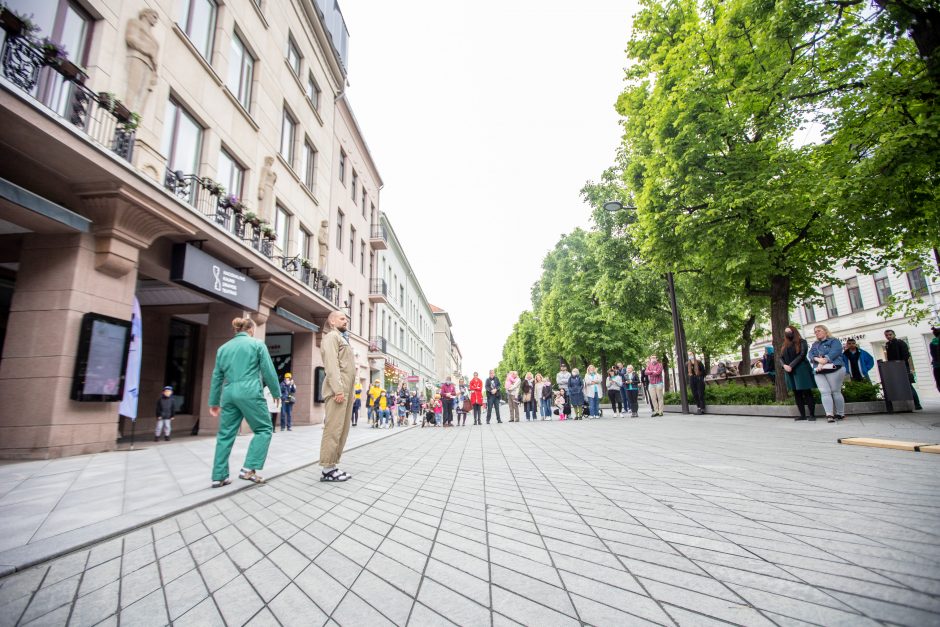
x: 378, y: 344
x: 59, y: 84
x: 378, y: 287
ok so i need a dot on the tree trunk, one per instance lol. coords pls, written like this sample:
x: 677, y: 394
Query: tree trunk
x: 666, y: 380
x: 779, y: 320
x: 707, y: 360
x: 923, y: 26
x: 562, y: 360
x: 746, y: 340
x: 603, y: 371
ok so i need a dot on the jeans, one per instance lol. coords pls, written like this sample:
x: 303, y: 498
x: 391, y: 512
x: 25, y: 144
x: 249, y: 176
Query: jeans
x: 491, y: 402
x: 287, y: 415
x: 529, y: 408
x: 384, y: 416
x: 545, y: 406
x: 163, y: 427
x: 595, y: 404
x: 830, y: 389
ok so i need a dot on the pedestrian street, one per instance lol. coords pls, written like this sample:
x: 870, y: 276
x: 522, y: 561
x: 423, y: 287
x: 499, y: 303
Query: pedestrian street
x: 679, y: 520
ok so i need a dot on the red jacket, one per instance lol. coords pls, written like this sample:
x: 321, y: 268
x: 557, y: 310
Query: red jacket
x: 476, y: 391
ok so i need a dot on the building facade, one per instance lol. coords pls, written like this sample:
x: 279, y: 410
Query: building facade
x: 198, y: 158
x: 855, y: 310
x: 446, y: 351
x: 402, y: 345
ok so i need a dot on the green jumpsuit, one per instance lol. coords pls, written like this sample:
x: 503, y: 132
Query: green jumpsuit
x: 240, y: 364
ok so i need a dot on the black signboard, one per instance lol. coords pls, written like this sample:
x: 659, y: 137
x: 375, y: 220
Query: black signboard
x: 101, y: 360
x: 203, y: 272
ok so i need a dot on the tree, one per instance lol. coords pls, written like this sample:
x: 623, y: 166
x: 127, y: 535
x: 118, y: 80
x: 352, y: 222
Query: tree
x: 716, y: 98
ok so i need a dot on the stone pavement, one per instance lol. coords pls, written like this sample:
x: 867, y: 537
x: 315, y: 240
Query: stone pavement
x: 54, y: 506
x: 682, y: 520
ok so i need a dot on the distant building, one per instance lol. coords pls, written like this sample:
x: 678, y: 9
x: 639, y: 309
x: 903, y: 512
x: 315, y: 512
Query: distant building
x: 446, y: 352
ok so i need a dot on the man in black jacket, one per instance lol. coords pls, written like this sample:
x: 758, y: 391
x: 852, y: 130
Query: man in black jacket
x: 897, y: 350
x: 491, y: 385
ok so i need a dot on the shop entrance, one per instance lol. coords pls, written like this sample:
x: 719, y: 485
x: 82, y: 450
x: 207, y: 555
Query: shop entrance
x: 181, y: 355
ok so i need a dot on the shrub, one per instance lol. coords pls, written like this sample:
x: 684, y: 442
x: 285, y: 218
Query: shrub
x: 735, y: 394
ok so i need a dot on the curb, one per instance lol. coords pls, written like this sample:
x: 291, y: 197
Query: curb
x: 21, y: 558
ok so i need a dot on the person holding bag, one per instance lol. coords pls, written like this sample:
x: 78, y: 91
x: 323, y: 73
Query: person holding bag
x: 829, y: 370
x: 798, y: 372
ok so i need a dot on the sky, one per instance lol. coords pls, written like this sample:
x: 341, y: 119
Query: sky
x: 485, y: 120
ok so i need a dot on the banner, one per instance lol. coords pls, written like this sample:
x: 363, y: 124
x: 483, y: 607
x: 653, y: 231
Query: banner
x: 132, y: 375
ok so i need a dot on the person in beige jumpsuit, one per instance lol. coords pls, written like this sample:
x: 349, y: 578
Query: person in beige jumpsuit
x: 340, y: 365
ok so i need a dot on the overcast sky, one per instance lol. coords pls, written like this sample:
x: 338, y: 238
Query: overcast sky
x: 485, y: 119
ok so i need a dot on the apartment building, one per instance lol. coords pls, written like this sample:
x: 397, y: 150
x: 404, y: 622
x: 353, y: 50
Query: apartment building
x: 854, y: 310
x: 446, y: 351
x: 401, y: 348
x: 195, y: 158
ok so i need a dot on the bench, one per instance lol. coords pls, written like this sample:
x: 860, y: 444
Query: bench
x: 762, y: 379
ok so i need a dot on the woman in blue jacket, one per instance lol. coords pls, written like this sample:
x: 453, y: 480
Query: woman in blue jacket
x: 829, y: 370
x: 576, y: 394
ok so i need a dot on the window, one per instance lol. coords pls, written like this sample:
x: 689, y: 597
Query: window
x: 855, y: 295
x: 372, y: 221
x: 371, y: 263
x: 401, y: 337
x: 342, y: 166
x: 363, y: 201
x: 197, y: 20
x: 231, y: 174
x: 339, y: 230
x: 350, y: 297
x: 313, y: 92
x: 882, y: 286
x: 352, y: 244
x: 182, y: 139
x: 240, y: 72
x: 829, y: 298
x: 918, y: 282
x: 401, y: 295
x: 362, y: 317
x: 362, y: 257
x: 309, y: 166
x: 288, y: 129
x: 281, y: 224
x: 293, y: 56
x: 809, y: 313
x: 355, y: 182
x: 303, y: 243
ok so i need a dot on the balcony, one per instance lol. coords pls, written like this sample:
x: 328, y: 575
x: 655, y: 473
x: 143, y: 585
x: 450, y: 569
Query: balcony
x: 55, y: 82
x: 378, y: 291
x: 378, y: 237
x: 377, y: 345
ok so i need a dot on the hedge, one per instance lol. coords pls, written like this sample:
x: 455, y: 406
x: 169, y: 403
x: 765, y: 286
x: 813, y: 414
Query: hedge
x: 736, y: 394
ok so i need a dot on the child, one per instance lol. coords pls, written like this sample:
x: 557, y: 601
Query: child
x: 438, y: 410
x: 560, y: 404
x: 463, y: 407
x: 166, y: 409
x: 402, y: 410
x: 428, y: 415
x: 382, y: 407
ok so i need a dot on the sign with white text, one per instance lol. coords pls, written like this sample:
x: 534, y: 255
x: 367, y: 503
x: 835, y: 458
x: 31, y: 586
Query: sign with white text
x: 203, y: 272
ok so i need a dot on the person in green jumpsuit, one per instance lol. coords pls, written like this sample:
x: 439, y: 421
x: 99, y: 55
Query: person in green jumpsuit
x: 240, y: 365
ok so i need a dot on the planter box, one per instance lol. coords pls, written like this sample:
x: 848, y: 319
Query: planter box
x: 790, y: 411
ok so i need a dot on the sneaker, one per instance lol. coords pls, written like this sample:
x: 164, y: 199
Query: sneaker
x: 838, y: 417
x: 830, y: 419
x: 799, y: 418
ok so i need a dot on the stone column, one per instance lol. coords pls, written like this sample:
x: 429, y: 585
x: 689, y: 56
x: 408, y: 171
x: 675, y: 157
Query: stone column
x: 305, y: 359
x: 55, y: 286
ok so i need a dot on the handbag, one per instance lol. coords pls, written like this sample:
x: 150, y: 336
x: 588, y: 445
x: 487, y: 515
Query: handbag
x: 827, y: 368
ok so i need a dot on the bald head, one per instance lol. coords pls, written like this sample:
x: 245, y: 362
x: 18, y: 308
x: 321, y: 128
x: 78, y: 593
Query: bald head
x: 338, y: 320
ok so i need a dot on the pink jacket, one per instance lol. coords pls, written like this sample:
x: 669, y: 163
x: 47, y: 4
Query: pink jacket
x: 654, y: 372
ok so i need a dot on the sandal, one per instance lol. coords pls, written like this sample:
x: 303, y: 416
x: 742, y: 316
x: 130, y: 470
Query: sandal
x: 221, y: 482
x: 334, y: 475
x: 250, y: 475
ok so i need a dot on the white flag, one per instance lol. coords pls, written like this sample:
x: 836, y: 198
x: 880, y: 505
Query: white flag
x: 132, y: 375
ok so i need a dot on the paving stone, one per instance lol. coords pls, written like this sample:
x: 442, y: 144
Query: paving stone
x: 55, y: 618
x: 352, y: 610
x: 244, y: 554
x: 338, y: 566
x: 66, y: 567
x: 267, y: 579
x: 11, y: 611
x: 356, y: 551
x: 289, y: 560
x: 176, y: 564
x: 293, y: 607
x: 455, y: 607
x: 463, y: 561
x: 449, y: 577
x: 395, y: 573
x: 533, y: 589
x: 596, y: 613
x: 218, y: 571
x: 185, y: 593
x: 139, y: 584
x: 237, y: 601
x: 729, y: 611
x: 99, y: 576
x: 801, y: 609
x: 49, y: 598
x: 264, y: 618
x: 205, y: 614
x: 21, y: 584
x: 150, y: 610
x: 885, y: 611
x: 404, y: 554
x: 422, y: 616
x: 137, y: 558
x: 321, y: 587
x: 527, y: 612
x: 389, y: 600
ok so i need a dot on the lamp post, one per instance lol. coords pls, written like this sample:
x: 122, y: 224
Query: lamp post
x: 614, y: 206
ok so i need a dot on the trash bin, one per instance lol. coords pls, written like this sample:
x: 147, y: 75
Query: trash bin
x: 895, y: 383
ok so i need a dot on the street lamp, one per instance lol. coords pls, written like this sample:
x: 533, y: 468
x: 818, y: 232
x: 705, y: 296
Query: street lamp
x: 614, y: 206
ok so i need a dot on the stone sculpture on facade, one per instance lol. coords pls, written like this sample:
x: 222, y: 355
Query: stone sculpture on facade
x: 142, y: 52
x: 322, y: 238
x: 266, y: 191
